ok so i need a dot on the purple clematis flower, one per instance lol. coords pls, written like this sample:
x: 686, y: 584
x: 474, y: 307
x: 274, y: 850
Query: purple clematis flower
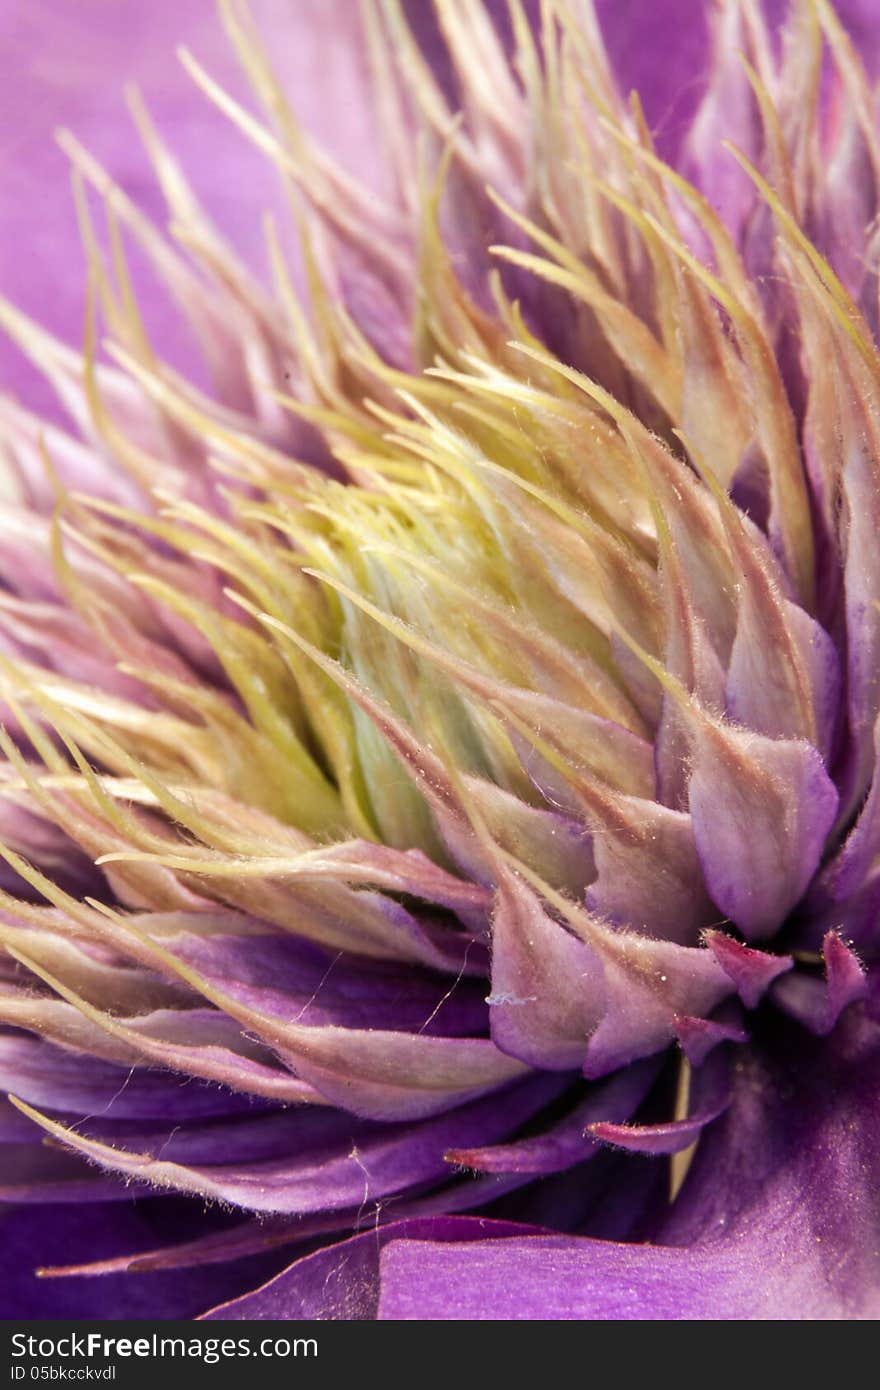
x: 439, y: 642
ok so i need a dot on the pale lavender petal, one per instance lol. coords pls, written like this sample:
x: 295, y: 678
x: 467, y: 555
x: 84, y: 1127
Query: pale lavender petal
x: 761, y: 809
x: 589, y: 995
x: 54, y: 1078
x: 547, y: 986
x: 651, y: 875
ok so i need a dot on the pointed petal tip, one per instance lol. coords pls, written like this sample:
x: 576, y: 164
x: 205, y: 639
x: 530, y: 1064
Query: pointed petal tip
x: 816, y: 1003
x: 751, y: 971
x: 698, y: 1036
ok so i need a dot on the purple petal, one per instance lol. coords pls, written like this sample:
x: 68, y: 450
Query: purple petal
x: 841, y: 885
x: 730, y: 111
x: 778, y: 1218
x: 68, y: 67
x: 295, y: 981
x: 303, y: 1163
x: 543, y: 1278
x: 69, y: 1234
x: 342, y: 1282
x: 859, y: 17
x: 661, y: 51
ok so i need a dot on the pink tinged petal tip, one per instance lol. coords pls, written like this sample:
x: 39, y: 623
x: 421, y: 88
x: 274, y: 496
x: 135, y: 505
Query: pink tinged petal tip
x: 817, y: 1003
x: 709, y: 1098
x: 698, y: 1036
x: 751, y: 971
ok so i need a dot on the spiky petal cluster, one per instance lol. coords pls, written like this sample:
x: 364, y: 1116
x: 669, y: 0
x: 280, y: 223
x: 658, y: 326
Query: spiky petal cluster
x: 455, y: 734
